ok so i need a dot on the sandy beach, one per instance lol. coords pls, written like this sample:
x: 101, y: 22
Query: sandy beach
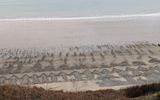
x: 51, y: 33
x: 78, y: 55
x: 81, y: 68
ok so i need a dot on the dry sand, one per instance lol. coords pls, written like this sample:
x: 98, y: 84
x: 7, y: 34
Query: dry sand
x: 78, y: 86
x: 73, y: 69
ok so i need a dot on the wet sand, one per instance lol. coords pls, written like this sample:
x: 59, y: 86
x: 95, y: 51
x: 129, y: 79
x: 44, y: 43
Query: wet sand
x: 78, y: 32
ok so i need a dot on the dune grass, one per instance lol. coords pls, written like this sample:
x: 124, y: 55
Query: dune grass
x: 144, y: 92
x: 34, y: 93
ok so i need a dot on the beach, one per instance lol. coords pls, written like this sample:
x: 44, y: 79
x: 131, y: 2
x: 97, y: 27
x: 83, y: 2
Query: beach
x: 80, y: 54
x: 79, y: 32
x: 81, y: 68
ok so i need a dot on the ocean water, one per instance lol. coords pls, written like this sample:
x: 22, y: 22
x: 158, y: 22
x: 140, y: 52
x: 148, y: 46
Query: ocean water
x: 75, y: 8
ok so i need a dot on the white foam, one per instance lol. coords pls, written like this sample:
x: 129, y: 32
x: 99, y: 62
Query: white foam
x: 83, y: 18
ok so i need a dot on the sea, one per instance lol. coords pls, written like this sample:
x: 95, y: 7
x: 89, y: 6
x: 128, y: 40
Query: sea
x: 18, y: 9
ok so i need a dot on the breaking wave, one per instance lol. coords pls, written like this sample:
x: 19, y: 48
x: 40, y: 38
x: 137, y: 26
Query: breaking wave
x: 110, y: 17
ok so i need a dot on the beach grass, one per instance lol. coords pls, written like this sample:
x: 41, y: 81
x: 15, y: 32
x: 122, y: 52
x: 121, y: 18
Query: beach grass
x: 144, y: 92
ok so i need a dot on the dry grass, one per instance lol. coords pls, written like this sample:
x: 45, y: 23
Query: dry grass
x: 144, y: 92
x: 34, y: 93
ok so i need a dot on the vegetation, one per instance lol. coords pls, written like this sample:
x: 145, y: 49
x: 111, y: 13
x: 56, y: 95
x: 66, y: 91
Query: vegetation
x: 137, y: 91
x: 34, y: 93
x: 145, y: 92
